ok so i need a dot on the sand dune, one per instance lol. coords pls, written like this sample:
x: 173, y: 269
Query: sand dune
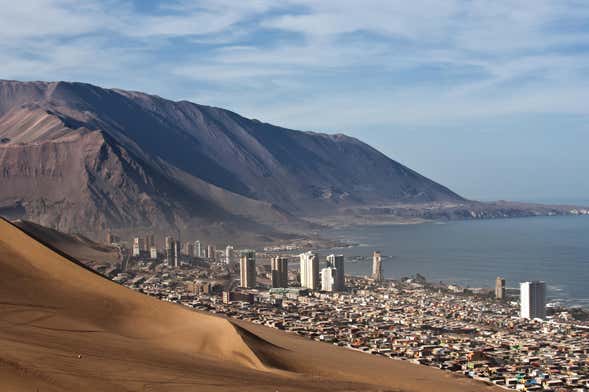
x: 65, y: 328
x: 77, y: 246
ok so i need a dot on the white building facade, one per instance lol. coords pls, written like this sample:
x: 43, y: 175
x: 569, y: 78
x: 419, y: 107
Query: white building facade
x: 337, y: 262
x: 229, y: 254
x: 309, y: 270
x: 328, y: 276
x: 247, y: 269
x: 533, y: 300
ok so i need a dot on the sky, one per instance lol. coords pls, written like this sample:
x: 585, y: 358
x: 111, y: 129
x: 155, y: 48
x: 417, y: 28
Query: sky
x: 490, y: 98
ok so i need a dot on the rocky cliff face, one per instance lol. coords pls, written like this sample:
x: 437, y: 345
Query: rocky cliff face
x: 77, y: 157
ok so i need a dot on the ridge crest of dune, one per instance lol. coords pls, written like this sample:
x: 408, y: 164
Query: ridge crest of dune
x: 64, y: 327
x: 37, y: 276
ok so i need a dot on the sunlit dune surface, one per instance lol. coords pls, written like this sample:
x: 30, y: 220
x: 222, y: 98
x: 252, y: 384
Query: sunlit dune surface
x: 66, y: 328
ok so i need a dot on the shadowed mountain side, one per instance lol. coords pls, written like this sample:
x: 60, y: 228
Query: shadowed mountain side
x: 106, y: 158
x: 88, y: 183
x: 64, y: 328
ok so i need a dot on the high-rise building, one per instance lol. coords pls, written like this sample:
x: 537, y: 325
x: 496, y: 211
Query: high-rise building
x: 169, y: 250
x: 309, y: 270
x: 533, y: 300
x: 153, y: 253
x: 337, y: 262
x: 112, y: 239
x: 279, y: 270
x: 197, y: 249
x: 247, y: 269
x: 188, y: 249
x: 228, y: 254
x: 149, y: 242
x: 212, y: 252
x: 136, y: 251
x: 328, y: 276
x: 176, y: 247
x: 377, y: 267
x: 138, y: 246
x: 499, y: 288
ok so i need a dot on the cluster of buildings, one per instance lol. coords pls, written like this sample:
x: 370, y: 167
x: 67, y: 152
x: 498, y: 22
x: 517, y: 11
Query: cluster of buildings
x: 496, y: 338
x: 175, y: 252
x: 532, y: 296
x: 429, y: 325
x: 330, y: 278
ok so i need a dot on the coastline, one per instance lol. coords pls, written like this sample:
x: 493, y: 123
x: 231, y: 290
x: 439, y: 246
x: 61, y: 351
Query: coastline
x: 416, y: 248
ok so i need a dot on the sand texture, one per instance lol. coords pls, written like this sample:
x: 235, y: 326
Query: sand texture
x: 66, y: 328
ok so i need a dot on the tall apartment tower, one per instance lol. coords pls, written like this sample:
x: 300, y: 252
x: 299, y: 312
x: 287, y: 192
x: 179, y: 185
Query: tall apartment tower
x: 212, y: 252
x: 310, y: 270
x: 228, y: 254
x: 188, y: 248
x: 247, y: 269
x: 149, y: 242
x: 337, y: 262
x: 279, y: 270
x: 499, y: 288
x: 197, y: 249
x: 177, y: 251
x: 153, y: 253
x: 328, y: 277
x: 169, y: 250
x: 377, y: 267
x: 138, y: 246
x: 532, y: 300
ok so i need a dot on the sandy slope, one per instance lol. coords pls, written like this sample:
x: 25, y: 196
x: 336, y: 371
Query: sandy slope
x: 77, y: 246
x: 64, y: 328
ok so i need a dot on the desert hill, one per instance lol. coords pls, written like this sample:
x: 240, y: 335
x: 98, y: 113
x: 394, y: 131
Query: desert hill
x: 81, y: 158
x: 77, y: 246
x: 65, y: 328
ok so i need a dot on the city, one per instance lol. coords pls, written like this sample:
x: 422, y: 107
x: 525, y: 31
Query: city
x: 499, y: 336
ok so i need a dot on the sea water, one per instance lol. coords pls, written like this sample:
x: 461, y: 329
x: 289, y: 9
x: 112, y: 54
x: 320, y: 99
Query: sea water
x: 473, y: 253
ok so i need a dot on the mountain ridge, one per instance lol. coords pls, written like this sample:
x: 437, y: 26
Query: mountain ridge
x: 130, y: 159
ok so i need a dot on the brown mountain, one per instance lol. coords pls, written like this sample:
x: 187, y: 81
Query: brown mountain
x: 81, y: 158
x: 65, y: 328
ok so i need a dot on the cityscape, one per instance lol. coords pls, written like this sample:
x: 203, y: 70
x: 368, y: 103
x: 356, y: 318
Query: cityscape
x: 499, y: 335
x: 294, y: 196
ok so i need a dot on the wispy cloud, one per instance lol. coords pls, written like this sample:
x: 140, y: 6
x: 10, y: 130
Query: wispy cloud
x: 380, y: 60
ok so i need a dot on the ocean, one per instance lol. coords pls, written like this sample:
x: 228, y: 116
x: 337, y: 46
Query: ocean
x: 473, y: 253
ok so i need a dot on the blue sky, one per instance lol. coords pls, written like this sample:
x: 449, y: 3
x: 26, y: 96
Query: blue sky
x: 490, y: 98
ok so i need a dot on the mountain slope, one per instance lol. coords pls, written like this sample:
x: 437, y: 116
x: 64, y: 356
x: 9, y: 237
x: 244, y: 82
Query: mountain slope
x: 65, y: 328
x: 77, y: 156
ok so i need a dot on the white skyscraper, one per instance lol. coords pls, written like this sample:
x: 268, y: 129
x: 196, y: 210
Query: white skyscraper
x: 309, y: 270
x: 532, y: 300
x: 279, y: 268
x: 212, y: 253
x: 176, y: 250
x: 197, y: 249
x: 228, y: 254
x: 169, y: 250
x: 138, y: 246
x: 377, y: 267
x: 337, y: 262
x: 499, y: 288
x: 328, y: 276
x: 247, y: 269
x: 153, y: 253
